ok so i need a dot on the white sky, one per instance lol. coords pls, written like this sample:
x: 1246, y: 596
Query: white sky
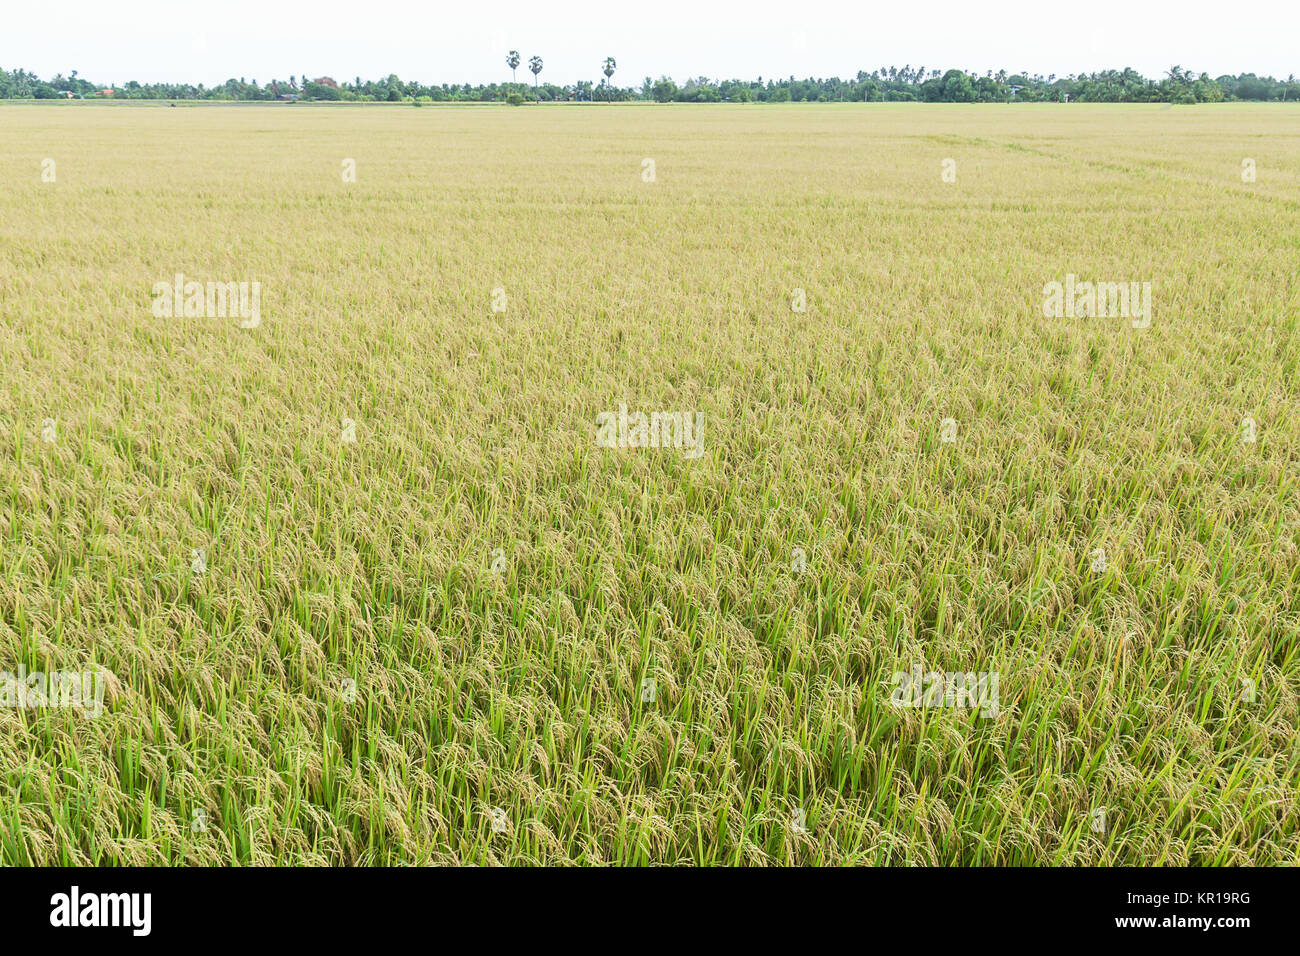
x: 435, y: 42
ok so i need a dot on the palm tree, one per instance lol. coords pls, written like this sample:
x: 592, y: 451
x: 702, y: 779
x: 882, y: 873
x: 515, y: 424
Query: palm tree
x: 512, y: 61
x: 535, y: 64
x: 608, y: 68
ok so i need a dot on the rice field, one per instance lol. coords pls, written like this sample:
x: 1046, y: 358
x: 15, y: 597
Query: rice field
x: 572, y: 485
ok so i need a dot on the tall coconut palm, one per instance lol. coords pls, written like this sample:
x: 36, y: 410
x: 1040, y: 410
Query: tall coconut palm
x: 512, y: 61
x: 608, y: 68
x: 535, y: 64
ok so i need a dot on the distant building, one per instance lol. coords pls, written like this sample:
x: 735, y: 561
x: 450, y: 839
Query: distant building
x: 106, y: 92
x: 325, y: 81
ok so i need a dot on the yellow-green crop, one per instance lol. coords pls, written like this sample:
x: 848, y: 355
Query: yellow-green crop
x: 475, y: 634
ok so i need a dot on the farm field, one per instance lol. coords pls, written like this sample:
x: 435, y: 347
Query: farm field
x: 362, y: 582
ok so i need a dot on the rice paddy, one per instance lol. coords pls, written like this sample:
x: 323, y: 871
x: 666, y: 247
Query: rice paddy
x: 384, y: 567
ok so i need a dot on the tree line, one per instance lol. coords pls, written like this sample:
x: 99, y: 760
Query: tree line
x: 886, y: 84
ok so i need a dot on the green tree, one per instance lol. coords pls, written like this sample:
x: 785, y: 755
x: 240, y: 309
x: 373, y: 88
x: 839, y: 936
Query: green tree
x: 956, y: 87
x: 535, y: 64
x: 512, y: 61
